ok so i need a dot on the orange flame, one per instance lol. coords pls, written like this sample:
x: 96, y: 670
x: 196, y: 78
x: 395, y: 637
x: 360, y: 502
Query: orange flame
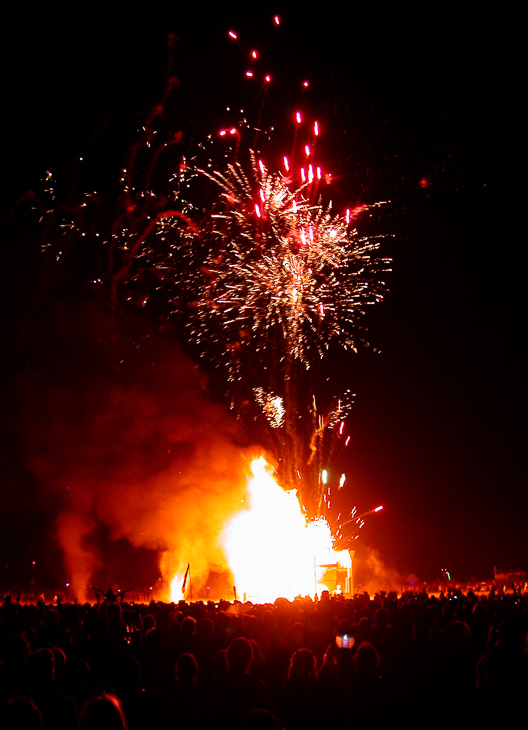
x: 271, y: 549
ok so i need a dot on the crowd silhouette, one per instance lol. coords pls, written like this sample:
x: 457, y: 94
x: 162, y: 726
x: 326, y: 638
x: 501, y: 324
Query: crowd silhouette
x: 390, y: 660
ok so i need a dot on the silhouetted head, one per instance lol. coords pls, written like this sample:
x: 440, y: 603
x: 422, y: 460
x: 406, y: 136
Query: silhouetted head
x: 367, y: 659
x: 239, y: 655
x: 103, y: 713
x: 302, y: 666
x: 20, y: 713
x: 187, y: 669
x: 40, y: 667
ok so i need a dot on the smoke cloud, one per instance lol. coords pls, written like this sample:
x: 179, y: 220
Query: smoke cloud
x: 112, y: 432
x: 371, y: 572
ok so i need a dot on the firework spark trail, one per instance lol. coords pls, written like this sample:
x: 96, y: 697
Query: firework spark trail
x: 261, y: 269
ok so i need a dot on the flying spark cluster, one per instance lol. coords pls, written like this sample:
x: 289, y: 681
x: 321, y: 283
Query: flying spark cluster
x: 282, y: 271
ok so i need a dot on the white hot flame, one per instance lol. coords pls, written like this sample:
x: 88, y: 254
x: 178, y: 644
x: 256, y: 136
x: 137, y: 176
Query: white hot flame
x: 271, y: 549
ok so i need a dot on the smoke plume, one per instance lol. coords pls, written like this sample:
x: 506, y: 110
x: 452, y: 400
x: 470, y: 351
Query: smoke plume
x: 113, y: 432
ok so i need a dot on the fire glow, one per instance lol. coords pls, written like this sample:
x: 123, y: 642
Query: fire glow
x: 270, y: 547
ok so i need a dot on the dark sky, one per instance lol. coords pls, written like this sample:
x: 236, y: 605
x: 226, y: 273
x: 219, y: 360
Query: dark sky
x: 423, y: 112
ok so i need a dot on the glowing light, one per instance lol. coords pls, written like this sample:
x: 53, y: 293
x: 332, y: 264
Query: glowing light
x: 298, y: 117
x: 270, y: 548
x: 276, y: 20
x: 267, y: 78
x: 378, y: 509
x: 316, y: 129
x: 175, y: 590
x: 249, y: 74
x: 307, y: 150
x: 254, y: 54
x: 233, y: 35
x: 342, y: 481
x: 306, y: 84
x: 286, y: 164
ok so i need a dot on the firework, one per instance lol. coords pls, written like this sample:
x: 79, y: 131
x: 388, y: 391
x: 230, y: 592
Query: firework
x: 262, y: 273
x: 284, y: 272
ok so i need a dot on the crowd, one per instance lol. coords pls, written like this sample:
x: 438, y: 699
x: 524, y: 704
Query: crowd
x: 367, y: 662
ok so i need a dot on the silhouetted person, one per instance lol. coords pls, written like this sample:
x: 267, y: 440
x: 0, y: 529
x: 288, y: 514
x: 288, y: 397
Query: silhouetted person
x: 229, y: 698
x: 299, y: 702
x: 59, y: 711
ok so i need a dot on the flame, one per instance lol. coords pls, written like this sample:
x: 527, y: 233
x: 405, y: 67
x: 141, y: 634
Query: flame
x: 271, y: 549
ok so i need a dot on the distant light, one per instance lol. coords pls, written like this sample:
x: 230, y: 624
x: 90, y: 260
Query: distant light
x: 306, y: 84
x: 257, y: 210
x: 378, y: 509
x: 254, y: 54
x: 233, y: 35
x: 324, y: 476
x: 316, y: 129
x: 342, y: 480
x: 307, y: 150
x: 267, y: 78
x: 298, y: 117
x: 286, y: 164
x: 249, y: 74
x: 276, y: 20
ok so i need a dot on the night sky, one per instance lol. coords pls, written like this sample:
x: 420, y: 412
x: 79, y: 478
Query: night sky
x: 423, y: 112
